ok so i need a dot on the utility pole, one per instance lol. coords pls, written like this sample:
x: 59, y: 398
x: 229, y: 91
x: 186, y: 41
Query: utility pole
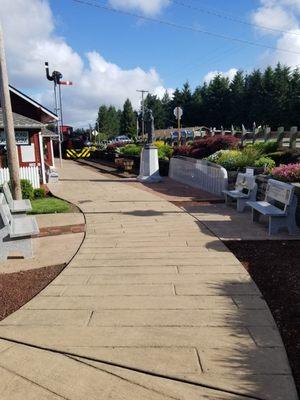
x: 143, y: 111
x: 12, y: 155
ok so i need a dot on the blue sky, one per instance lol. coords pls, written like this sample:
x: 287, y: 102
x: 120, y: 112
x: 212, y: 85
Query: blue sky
x: 177, y: 55
x: 110, y: 55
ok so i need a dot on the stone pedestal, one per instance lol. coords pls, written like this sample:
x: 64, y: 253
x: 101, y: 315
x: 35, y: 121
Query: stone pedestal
x: 149, y: 167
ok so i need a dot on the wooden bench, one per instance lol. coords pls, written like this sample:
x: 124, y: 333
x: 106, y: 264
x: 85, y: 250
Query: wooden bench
x: 245, y: 190
x: 15, y: 233
x: 279, y: 206
x: 16, y: 206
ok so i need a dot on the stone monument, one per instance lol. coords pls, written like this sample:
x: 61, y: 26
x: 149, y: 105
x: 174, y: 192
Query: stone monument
x: 149, y: 166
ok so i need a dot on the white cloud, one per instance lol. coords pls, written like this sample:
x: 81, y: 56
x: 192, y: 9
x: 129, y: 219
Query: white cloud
x: 282, y: 15
x: 274, y: 17
x: 147, y: 7
x: 30, y: 40
x: 286, y: 41
x: 227, y: 74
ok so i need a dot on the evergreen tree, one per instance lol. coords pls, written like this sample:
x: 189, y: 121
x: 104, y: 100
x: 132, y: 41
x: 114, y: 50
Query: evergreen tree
x: 128, y: 120
x: 108, y: 121
x: 292, y: 117
x: 217, y: 101
x: 236, y: 100
x: 196, y: 107
x: 254, y: 102
x: 166, y: 102
x: 153, y: 103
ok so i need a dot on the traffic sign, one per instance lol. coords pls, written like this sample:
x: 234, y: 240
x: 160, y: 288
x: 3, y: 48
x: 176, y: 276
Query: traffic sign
x: 178, y: 112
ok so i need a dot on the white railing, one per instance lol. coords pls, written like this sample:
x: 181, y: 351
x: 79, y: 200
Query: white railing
x: 200, y: 174
x: 29, y: 173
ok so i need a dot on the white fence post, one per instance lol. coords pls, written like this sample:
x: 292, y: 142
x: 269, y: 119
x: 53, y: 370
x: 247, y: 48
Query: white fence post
x: 29, y: 173
x: 200, y: 174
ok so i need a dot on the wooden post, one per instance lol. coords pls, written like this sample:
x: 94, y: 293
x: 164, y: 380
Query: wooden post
x: 267, y: 133
x: 233, y: 131
x: 293, y: 137
x: 280, y: 135
x: 12, y: 155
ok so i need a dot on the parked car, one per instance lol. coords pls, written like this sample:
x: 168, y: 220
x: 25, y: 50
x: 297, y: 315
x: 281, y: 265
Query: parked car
x: 122, y: 139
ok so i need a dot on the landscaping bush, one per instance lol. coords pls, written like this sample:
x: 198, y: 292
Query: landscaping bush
x: 288, y: 156
x: 270, y: 146
x: 27, y: 189
x: 202, y: 148
x: 183, y: 150
x: 131, y: 150
x: 165, y: 152
x: 113, y: 147
x: 287, y: 173
x: 39, y: 193
x: 231, y: 160
x: 265, y: 162
x: 234, y: 160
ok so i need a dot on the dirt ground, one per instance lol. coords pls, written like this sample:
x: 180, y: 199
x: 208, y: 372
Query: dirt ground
x: 18, y: 288
x: 275, y: 268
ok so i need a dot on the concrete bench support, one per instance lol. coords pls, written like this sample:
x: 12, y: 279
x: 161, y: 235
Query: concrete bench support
x: 15, y: 233
x: 279, y: 206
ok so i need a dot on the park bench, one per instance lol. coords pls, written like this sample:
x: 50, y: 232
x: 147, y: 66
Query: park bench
x: 279, y: 206
x: 245, y: 190
x: 15, y: 233
x: 16, y: 206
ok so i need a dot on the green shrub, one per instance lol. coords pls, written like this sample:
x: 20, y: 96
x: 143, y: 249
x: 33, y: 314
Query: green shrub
x: 288, y: 156
x: 27, y: 189
x: 234, y: 160
x: 131, y: 150
x: 39, y: 193
x: 165, y: 152
x: 264, y: 147
x: 266, y: 162
x: 231, y: 160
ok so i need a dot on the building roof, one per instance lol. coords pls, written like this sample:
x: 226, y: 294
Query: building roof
x: 37, y: 105
x: 24, y: 105
x: 21, y: 122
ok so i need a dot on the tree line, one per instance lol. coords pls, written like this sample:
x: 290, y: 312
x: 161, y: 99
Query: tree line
x: 270, y: 97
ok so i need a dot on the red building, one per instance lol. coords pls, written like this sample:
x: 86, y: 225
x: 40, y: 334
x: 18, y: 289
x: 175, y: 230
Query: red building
x: 34, y: 141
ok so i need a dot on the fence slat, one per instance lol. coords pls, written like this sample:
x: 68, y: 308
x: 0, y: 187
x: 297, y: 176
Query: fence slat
x: 29, y: 173
x: 200, y: 174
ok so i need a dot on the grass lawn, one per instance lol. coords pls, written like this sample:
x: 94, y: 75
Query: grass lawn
x: 49, y: 205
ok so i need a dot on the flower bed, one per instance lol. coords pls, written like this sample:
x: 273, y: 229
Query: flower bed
x: 287, y: 173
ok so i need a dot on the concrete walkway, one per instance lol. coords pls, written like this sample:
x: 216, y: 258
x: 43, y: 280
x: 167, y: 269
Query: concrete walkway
x: 150, y: 289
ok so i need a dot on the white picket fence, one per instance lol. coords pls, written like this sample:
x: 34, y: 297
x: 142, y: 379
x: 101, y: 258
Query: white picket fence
x: 29, y: 173
x: 200, y: 174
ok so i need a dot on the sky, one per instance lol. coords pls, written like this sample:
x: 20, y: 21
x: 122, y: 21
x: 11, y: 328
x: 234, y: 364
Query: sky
x: 111, y: 48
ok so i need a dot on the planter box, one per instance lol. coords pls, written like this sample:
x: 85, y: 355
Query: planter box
x: 164, y: 167
x: 297, y: 193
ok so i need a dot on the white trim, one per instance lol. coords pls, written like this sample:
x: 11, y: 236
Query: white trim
x: 52, y: 153
x: 42, y: 158
x: 33, y: 102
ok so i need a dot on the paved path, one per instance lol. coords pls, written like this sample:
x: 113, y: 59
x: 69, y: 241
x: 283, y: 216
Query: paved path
x: 150, y: 289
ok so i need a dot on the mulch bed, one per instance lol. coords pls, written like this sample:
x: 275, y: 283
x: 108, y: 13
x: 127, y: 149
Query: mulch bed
x: 18, y: 288
x: 275, y: 268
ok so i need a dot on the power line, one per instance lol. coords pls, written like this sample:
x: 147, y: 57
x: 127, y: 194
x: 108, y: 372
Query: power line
x: 223, y: 15
x: 183, y: 27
